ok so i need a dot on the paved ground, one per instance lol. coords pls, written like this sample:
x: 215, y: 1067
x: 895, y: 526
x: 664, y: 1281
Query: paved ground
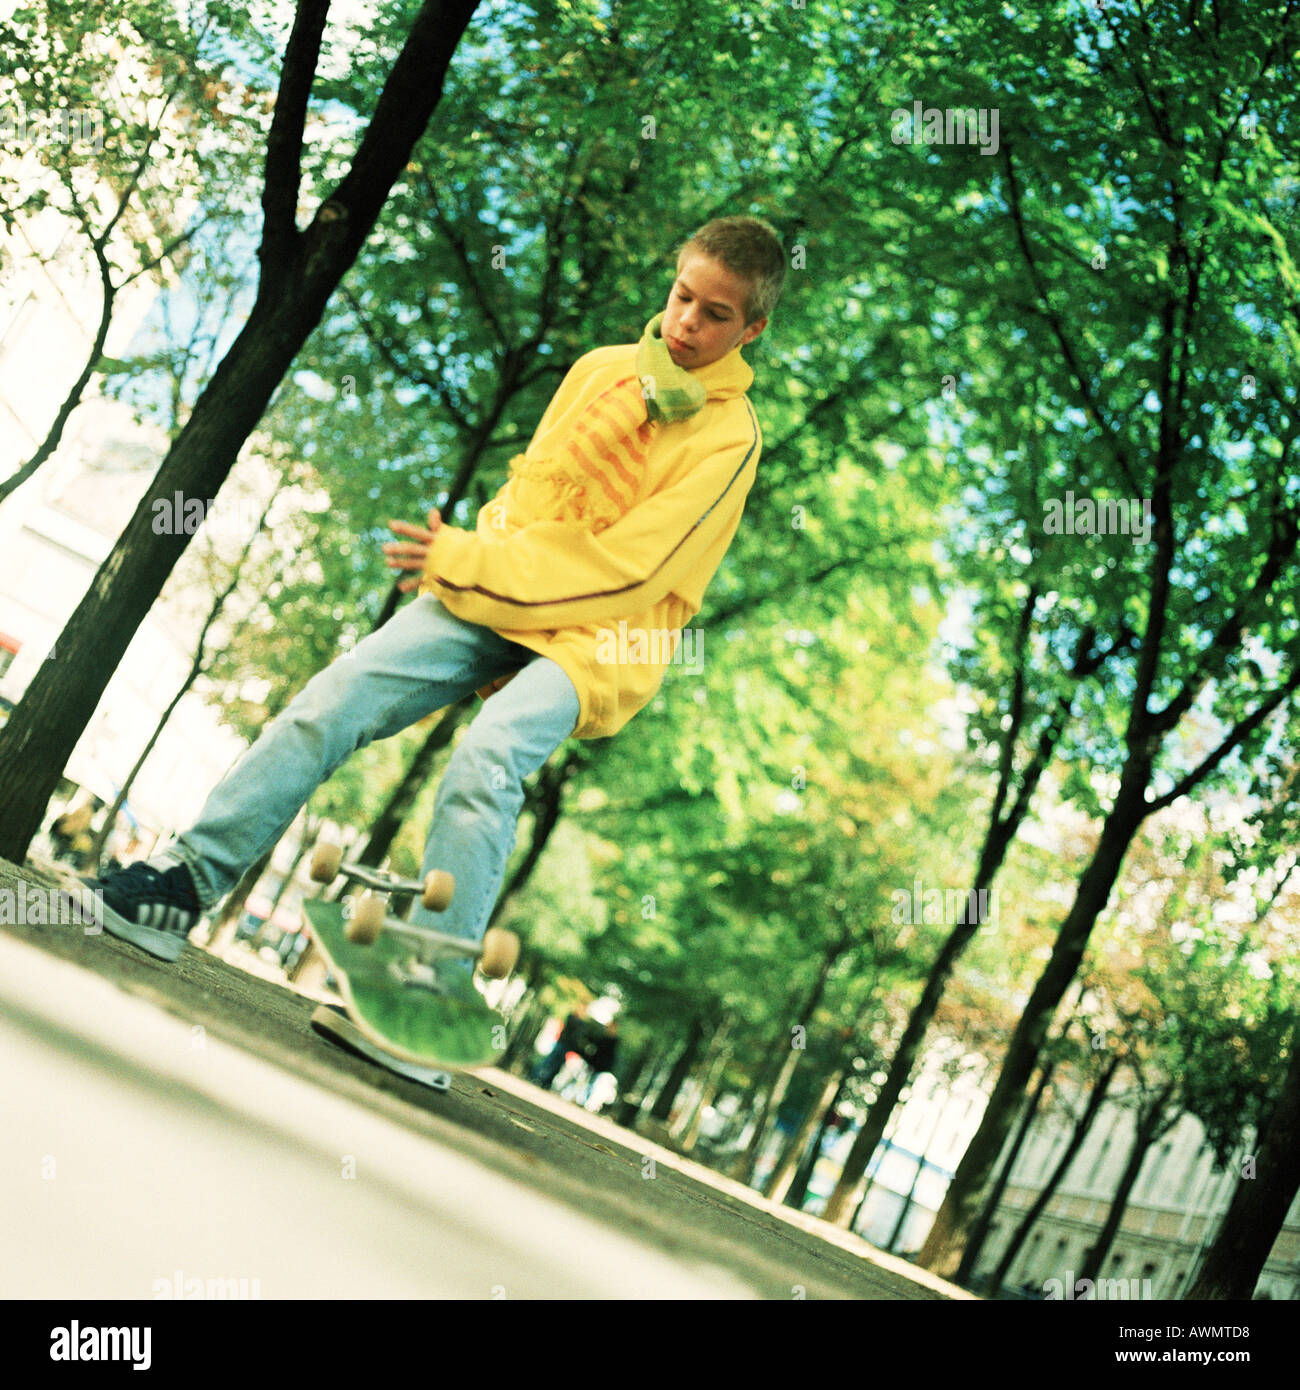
x: 166, y: 1123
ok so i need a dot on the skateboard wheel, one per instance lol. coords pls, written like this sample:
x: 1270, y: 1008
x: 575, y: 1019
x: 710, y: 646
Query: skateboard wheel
x: 325, y: 861
x: 367, y: 919
x: 499, y: 954
x: 438, y: 889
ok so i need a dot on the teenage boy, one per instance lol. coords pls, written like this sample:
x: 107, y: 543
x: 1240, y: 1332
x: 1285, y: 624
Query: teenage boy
x: 619, y: 511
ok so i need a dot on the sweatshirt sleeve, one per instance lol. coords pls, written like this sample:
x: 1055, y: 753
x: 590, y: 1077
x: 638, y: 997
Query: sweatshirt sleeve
x: 553, y: 574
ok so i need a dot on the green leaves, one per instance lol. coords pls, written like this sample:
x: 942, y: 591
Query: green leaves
x: 1099, y: 311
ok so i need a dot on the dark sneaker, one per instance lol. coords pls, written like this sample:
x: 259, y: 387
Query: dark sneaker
x: 154, y: 909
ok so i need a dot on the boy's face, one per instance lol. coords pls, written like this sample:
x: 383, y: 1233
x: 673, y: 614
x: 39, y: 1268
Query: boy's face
x: 705, y: 315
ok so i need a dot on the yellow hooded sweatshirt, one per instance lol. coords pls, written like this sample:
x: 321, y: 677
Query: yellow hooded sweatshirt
x: 575, y: 546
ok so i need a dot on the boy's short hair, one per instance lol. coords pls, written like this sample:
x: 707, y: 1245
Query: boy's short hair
x: 748, y: 247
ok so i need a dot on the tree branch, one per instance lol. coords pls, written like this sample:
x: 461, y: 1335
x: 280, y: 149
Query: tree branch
x: 1239, y: 732
x: 1281, y: 548
x: 460, y: 247
x: 434, y: 382
x: 284, y: 141
x: 1082, y: 384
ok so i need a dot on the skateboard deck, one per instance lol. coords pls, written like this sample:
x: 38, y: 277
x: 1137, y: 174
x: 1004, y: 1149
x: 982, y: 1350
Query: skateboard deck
x: 331, y: 1021
x: 457, y: 1030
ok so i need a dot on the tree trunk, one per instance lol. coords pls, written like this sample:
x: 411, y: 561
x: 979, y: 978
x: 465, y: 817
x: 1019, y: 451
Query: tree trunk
x: 385, y: 826
x: 748, y: 1105
x: 223, y: 930
x: 942, y: 1248
x: 747, y: 1164
x: 523, y: 1040
x: 905, y: 1056
x: 980, y: 1230
x: 162, y: 112
x: 632, y: 1091
x: 304, y: 844
x: 525, y: 1024
x: 54, y: 436
x: 667, y: 1096
x: 690, y: 1133
x: 96, y: 854
x: 1003, y: 826
x: 1152, y: 1122
x: 1260, y: 1204
x: 196, y: 668
x: 1085, y: 1122
x: 798, y: 1193
x: 771, y: 1103
x: 547, y: 802
x: 713, y: 1066
x: 897, y: 1232
x: 861, y: 1203
x: 299, y: 272
x: 782, y: 1176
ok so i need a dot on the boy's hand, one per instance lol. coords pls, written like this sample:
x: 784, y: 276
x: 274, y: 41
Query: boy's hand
x: 411, y: 554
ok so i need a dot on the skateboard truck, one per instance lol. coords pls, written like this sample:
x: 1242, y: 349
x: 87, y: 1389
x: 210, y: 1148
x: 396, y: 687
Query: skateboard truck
x: 496, y: 955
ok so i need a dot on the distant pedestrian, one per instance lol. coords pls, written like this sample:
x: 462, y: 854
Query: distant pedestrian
x: 570, y: 1040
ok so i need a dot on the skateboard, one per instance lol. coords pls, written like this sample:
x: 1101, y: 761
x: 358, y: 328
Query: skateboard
x: 387, y: 972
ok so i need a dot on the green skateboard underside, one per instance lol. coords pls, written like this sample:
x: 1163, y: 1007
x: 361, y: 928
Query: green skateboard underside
x: 410, y: 1022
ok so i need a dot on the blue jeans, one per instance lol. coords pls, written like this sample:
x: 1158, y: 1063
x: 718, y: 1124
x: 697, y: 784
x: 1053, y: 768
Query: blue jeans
x: 421, y: 660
